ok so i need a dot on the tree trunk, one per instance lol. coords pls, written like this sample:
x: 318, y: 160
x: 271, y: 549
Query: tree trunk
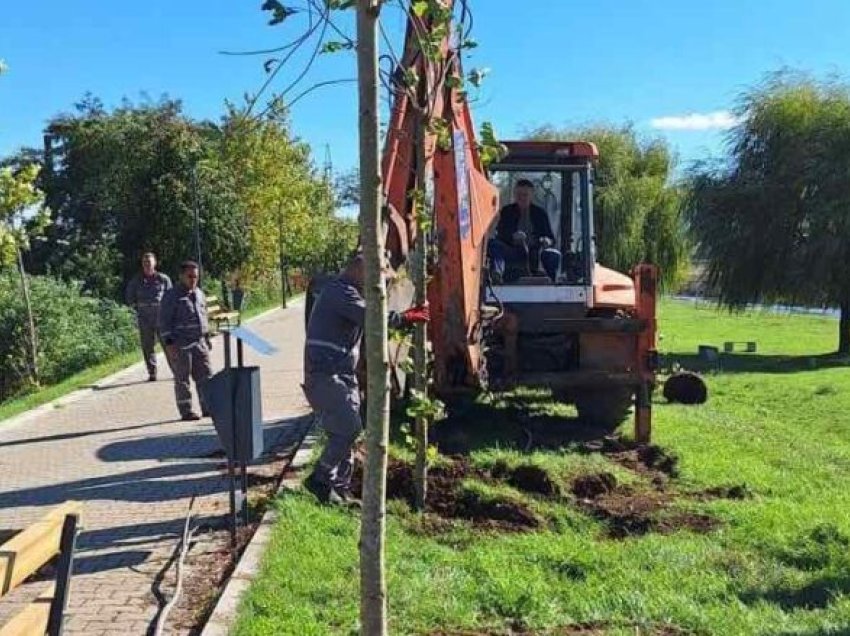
x: 373, y: 592
x: 33, y: 335
x: 420, y: 336
x: 844, y: 328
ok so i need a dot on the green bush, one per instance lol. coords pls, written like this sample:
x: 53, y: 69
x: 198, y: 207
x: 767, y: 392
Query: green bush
x: 75, y: 331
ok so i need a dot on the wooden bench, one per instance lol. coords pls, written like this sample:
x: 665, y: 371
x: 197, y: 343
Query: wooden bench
x: 218, y: 315
x: 52, y: 537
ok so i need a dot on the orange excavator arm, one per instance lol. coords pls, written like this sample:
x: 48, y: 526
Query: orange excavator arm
x: 465, y: 205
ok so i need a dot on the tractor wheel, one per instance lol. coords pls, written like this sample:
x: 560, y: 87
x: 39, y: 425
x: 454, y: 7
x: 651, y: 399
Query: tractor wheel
x: 604, y: 408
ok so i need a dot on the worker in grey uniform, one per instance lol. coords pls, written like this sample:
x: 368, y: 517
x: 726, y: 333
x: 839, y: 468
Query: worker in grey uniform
x: 184, y: 327
x: 334, y: 331
x: 144, y: 294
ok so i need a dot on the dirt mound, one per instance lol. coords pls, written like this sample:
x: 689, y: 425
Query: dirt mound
x: 645, y: 459
x: 449, y: 500
x: 593, y: 486
x: 628, y: 511
x: 532, y: 479
x: 490, y: 512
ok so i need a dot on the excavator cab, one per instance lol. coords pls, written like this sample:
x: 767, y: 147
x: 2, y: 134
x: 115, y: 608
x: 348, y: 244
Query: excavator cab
x: 562, y: 180
x: 580, y: 329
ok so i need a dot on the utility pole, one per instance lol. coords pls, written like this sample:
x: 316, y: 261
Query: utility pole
x: 328, y: 168
x: 281, y: 256
x: 197, y: 215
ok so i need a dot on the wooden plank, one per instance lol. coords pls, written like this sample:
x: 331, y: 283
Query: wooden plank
x: 211, y: 300
x: 30, y: 549
x: 225, y: 315
x: 32, y: 620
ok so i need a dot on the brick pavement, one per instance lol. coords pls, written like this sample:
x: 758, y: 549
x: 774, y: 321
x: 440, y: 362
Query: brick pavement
x: 122, y: 452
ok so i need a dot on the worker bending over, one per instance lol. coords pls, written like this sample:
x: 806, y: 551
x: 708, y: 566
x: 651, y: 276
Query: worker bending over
x: 334, y: 331
x: 524, y: 239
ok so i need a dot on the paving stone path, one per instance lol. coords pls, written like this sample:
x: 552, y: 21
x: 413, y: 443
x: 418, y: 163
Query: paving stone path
x: 122, y: 452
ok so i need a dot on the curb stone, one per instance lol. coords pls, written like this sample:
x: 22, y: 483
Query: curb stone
x: 226, y: 608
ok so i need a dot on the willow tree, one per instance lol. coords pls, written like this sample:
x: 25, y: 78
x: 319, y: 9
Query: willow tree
x: 637, y: 207
x: 773, y: 223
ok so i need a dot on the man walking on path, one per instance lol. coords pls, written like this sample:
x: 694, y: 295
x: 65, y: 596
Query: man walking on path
x: 334, y: 331
x: 144, y: 294
x: 184, y: 328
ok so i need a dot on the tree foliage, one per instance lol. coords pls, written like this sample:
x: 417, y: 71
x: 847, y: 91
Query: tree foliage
x: 22, y: 212
x: 75, y: 331
x: 289, y: 208
x: 130, y: 180
x: 773, y: 223
x: 637, y: 210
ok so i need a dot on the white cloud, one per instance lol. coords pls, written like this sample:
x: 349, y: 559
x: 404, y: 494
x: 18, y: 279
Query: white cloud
x: 718, y: 120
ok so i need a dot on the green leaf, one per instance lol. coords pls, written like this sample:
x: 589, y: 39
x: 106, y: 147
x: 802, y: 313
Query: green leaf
x: 476, y: 76
x: 454, y: 81
x: 335, y: 46
x: 279, y: 11
x: 468, y: 43
x: 340, y: 5
x: 489, y: 148
x: 411, y: 77
x: 420, y: 8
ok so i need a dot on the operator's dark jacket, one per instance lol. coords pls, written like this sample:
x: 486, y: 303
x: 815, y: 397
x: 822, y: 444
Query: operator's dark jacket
x: 509, y: 223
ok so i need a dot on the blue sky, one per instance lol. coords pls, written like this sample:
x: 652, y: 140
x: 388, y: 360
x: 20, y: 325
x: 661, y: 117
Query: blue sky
x: 676, y: 63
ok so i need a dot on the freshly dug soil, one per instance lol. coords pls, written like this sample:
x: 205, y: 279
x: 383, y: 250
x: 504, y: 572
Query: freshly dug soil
x: 627, y: 511
x: 593, y: 485
x: 647, y: 460
x: 532, y: 479
x: 447, y: 498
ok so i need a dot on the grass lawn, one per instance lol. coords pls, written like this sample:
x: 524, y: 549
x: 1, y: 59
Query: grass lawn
x: 737, y: 522
x: 92, y: 375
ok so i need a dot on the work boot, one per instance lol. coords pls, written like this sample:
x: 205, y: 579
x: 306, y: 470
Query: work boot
x: 191, y: 416
x: 325, y: 493
x: 152, y: 377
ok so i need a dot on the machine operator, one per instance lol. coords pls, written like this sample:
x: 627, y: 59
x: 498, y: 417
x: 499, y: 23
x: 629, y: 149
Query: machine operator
x: 524, y: 242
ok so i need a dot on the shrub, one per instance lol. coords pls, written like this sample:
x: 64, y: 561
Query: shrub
x: 75, y: 331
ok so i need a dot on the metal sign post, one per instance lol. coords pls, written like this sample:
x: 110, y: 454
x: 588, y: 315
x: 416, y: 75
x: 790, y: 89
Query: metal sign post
x: 233, y: 395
